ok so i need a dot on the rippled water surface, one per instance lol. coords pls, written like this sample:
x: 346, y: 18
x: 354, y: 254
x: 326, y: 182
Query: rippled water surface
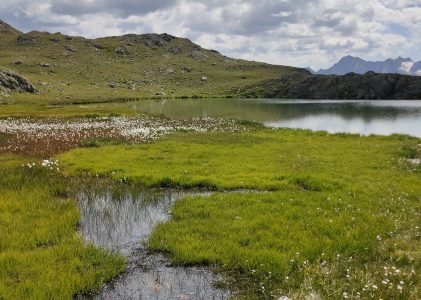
x: 122, y: 223
x: 362, y: 117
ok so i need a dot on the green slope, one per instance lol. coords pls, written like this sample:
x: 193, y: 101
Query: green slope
x: 73, y: 69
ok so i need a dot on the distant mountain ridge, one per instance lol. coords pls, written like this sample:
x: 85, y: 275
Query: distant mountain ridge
x: 351, y: 64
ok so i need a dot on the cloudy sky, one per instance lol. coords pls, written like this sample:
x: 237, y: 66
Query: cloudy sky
x: 290, y: 32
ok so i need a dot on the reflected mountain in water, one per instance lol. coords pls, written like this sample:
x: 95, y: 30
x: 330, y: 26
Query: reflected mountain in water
x: 362, y: 117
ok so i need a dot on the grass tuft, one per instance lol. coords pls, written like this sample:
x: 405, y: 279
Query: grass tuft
x: 41, y: 254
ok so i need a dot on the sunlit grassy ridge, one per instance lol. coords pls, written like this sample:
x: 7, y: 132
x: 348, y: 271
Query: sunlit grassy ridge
x: 343, y: 216
x: 41, y: 255
x: 75, y: 69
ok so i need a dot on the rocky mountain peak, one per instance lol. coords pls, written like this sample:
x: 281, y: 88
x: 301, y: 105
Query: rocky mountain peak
x: 351, y: 64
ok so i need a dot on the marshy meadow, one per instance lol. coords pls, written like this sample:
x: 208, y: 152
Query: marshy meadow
x: 100, y: 205
x: 144, y: 166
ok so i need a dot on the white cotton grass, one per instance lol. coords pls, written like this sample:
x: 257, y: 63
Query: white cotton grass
x: 45, y: 137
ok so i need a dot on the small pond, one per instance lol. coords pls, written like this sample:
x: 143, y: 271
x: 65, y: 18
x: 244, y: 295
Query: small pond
x: 122, y: 223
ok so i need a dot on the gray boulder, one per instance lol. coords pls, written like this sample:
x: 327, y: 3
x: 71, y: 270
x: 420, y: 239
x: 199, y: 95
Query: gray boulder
x: 70, y: 48
x: 199, y: 55
x: 168, y: 71
x: 26, y: 40
x: 122, y: 51
x: 11, y: 82
x: 187, y: 69
x: 175, y: 49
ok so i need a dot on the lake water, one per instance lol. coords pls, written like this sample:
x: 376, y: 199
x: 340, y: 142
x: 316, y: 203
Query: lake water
x: 361, y: 117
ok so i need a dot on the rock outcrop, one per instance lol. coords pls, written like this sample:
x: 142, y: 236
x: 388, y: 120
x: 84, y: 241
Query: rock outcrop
x: 11, y: 82
x: 368, y: 86
x: 122, y: 51
x: 27, y: 40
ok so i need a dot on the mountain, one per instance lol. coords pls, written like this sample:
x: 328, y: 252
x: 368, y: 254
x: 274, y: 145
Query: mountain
x: 69, y: 69
x: 416, y: 69
x: 76, y: 69
x: 310, y: 70
x: 351, y: 64
x: 7, y: 29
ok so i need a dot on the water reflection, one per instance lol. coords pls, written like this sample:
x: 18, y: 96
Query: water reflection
x: 122, y: 222
x: 364, y: 117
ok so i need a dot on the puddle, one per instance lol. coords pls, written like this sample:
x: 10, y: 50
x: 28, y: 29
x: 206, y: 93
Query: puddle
x: 122, y: 223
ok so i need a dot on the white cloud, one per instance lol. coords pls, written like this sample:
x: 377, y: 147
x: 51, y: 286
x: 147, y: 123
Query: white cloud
x: 292, y: 32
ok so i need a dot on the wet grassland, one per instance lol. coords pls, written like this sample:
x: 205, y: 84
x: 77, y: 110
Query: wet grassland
x: 334, y: 216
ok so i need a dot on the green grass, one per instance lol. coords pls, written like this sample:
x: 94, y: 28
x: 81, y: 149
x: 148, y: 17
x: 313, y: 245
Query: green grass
x: 349, y: 205
x: 41, y: 255
x: 86, y: 73
x: 264, y: 160
x: 287, y: 243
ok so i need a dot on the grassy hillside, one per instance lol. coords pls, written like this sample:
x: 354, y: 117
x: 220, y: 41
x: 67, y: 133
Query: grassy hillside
x: 75, y: 69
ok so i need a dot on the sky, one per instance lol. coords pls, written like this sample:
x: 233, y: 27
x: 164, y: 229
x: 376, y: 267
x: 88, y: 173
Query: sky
x: 299, y: 33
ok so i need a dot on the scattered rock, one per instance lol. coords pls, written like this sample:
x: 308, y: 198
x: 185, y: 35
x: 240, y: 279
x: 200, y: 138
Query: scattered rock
x: 11, y: 82
x: 199, y: 55
x: 187, y: 69
x: 229, y: 60
x: 55, y: 40
x: 97, y: 46
x: 157, y: 40
x: 18, y: 62
x: 160, y: 94
x: 112, y: 85
x: 26, y: 40
x: 70, y: 48
x: 44, y: 65
x: 204, y: 78
x: 175, y: 50
x: 168, y: 71
x: 214, y: 52
x: 122, y: 51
